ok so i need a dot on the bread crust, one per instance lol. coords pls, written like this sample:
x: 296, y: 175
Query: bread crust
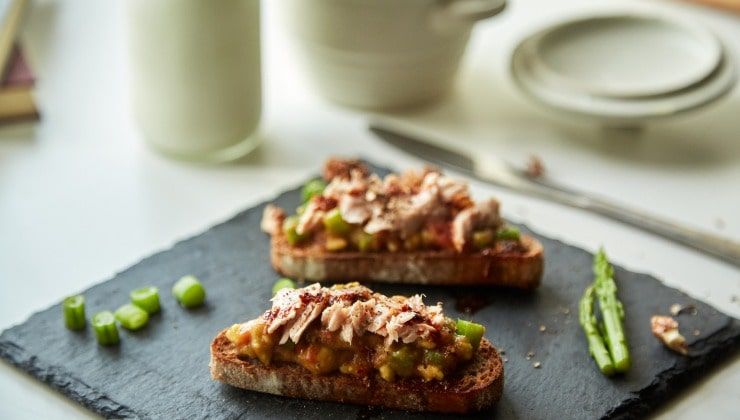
x: 517, y: 268
x: 477, y: 387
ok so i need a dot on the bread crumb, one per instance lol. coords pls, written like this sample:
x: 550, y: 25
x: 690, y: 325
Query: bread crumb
x: 535, y: 167
x: 696, y: 333
x: 536, y: 365
x: 543, y: 328
x: 675, y: 309
x: 505, y: 359
x: 566, y: 311
x: 530, y: 355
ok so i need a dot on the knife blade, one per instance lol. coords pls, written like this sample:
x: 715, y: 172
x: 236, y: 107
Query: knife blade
x: 490, y: 169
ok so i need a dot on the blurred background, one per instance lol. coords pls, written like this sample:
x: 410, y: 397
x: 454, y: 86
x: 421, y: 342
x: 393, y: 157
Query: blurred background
x: 92, y: 182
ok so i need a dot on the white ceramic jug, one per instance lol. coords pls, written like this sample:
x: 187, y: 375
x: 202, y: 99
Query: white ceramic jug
x: 384, y: 54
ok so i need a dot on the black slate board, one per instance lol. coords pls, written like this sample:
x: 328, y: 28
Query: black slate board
x: 162, y: 371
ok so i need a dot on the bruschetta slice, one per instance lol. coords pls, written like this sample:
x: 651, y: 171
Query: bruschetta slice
x: 417, y: 227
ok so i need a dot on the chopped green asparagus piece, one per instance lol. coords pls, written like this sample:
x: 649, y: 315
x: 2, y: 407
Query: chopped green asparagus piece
x: 73, y: 309
x: 189, y: 292
x: 289, y: 228
x: 483, y: 238
x: 106, y: 331
x: 146, y: 298
x: 508, y: 232
x: 612, y: 312
x: 596, y: 345
x: 474, y: 332
x: 132, y: 317
x: 282, y: 284
x: 334, y: 223
x: 312, y: 188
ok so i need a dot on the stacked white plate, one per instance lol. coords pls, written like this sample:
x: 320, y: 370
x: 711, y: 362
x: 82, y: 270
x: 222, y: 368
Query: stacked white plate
x: 623, y: 69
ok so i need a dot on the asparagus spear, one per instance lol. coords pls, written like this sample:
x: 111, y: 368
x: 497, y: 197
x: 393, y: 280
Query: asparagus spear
x: 612, y: 312
x: 595, y: 341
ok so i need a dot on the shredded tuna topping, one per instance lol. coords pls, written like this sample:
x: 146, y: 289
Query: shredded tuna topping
x: 353, y: 310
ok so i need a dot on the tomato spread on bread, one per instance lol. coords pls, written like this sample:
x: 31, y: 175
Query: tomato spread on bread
x: 351, y: 330
x: 413, y: 211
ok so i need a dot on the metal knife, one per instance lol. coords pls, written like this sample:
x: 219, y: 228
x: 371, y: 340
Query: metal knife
x: 502, y: 174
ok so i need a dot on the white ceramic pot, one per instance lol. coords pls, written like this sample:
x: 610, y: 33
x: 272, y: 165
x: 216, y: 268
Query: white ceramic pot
x: 384, y: 54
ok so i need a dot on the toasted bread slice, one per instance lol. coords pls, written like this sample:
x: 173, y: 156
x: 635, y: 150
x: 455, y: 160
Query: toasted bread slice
x: 499, y: 266
x: 478, y: 386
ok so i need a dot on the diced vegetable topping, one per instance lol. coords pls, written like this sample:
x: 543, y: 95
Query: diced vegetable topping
x: 312, y: 188
x: 433, y: 357
x: 106, y: 331
x: 363, y: 240
x: 508, y: 232
x: 282, y: 284
x: 189, y: 292
x: 335, y: 243
x: 132, y: 317
x: 472, y: 331
x: 335, y: 224
x: 146, y: 298
x: 289, y: 228
x: 483, y: 238
x: 73, y: 309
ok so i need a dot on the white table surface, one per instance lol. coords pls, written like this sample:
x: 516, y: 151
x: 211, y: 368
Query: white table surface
x: 81, y: 197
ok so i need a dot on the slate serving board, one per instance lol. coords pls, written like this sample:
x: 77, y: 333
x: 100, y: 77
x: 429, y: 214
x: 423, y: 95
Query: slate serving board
x: 162, y: 371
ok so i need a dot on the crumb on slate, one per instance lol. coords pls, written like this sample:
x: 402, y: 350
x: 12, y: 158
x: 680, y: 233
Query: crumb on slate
x: 505, y: 359
x: 530, y: 355
x: 543, y: 328
x: 536, y: 365
x: 696, y: 333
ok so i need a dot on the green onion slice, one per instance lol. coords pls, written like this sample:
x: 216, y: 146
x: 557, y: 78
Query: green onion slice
x: 106, y: 331
x: 283, y: 284
x: 146, y: 298
x: 132, y: 317
x: 73, y: 309
x: 474, y: 332
x: 189, y: 292
x: 508, y: 232
x: 312, y: 188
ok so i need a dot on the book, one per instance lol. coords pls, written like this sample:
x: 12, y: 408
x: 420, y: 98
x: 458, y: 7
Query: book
x: 16, y: 89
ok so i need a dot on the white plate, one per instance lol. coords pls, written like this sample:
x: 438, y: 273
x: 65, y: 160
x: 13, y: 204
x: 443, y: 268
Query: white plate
x: 625, y: 55
x: 610, y: 110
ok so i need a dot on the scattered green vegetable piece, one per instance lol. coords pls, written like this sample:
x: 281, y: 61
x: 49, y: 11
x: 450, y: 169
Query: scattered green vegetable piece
x: 189, y: 292
x: 312, y: 188
x: 283, y: 284
x: 73, y: 309
x: 483, y: 238
x: 146, y: 298
x: 289, y: 228
x: 474, y: 332
x: 596, y: 345
x: 612, y: 311
x: 335, y: 224
x: 508, y: 232
x: 106, y: 331
x: 132, y: 317
x: 433, y: 357
x: 363, y: 241
x: 402, y: 361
